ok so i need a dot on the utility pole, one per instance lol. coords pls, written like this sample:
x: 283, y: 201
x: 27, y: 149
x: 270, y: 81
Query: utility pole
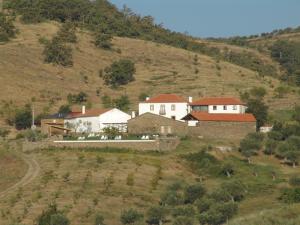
x: 33, y: 127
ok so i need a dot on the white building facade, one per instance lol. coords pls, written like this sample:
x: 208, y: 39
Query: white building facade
x: 95, y: 121
x: 219, y: 106
x: 168, y: 105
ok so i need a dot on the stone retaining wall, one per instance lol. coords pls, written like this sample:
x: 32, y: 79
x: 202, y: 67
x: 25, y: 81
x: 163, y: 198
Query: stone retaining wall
x: 165, y: 144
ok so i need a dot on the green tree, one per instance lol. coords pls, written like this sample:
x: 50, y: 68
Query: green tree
x: 250, y: 145
x: 99, y: 219
x: 258, y: 92
x: 122, y: 103
x: 106, y: 101
x: 57, y: 52
x: 7, y: 28
x: 103, y: 40
x: 193, y: 192
x: 235, y: 189
x: 23, y: 118
x: 119, y: 73
x: 64, y: 109
x: 259, y: 110
x: 227, y: 169
x: 59, y: 219
x: 156, y: 215
x: 67, y: 33
x: 130, y: 216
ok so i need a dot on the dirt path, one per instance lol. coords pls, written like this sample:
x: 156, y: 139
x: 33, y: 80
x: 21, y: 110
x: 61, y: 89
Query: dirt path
x: 32, y: 173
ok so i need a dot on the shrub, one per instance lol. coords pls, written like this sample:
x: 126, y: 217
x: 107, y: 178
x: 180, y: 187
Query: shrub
x: 130, y: 216
x: 171, y: 198
x: 186, y: 211
x: 122, y: 103
x: 99, y: 219
x: 103, y: 40
x: 295, y: 181
x: 143, y: 96
x: 182, y: 220
x: 290, y: 195
x: 193, y: 192
x: 156, y: 215
x: 67, y: 33
x: 52, y: 217
x: 227, y: 169
x: 64, y: 109
x: 23, y: 118
x: 57, y: 52
x: 7, y: 29
x: 4, y: 132
x: 119, y: 73
x: 77, y: 98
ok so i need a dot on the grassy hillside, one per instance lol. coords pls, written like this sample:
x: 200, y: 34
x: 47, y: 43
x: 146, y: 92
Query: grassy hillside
x: 24, y: 75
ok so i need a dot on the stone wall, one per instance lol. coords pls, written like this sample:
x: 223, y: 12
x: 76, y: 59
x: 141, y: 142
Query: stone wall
x: 153, y: 124
x: 222, y: 130
x: 164, y: 144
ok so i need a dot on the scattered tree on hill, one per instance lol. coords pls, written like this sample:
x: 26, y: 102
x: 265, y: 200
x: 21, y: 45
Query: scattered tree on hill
x: 7, y: 29
x: 57, y: 52
x: 130, y: 216
x: 235, y: 189
x: 99, y: 219
x: 23, y: 118
x: 193, y: 192
x: 79, y: 98
x: 119, y: 73
x: 156, y: 215
x: 67, y: 33
x: 103, y: 40
x: 64, y: 109
x: 290, y: 150
x: 250, y: 145
x: 227, y: 169
x: 122, y: 103
x: 52, y: 216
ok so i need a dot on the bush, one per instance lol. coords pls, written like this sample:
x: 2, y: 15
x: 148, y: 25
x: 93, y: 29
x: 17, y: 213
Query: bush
x: 156, y: 215
x: 185, y: 211
x: 103, y: 40
x: 290, y: 195
x: 171, y: 198
x: 64, y: 109
x: 182, y: 220
x: 4, y: 132
x: 57, y: 52
x: 193, y: 192
x: 52, y: 217
x: 77, y: 98
x: 122, y: 103
x: 130, y: 216
x: 67, y: 33
x: 295, y: 181
x: 119, y: 73
x: 7, y: 29
x: 99, y: 219
x: 23, y: 118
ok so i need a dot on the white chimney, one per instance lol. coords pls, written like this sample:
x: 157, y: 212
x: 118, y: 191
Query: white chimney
x: 133, y: 114
x: 190, y: 99
x: 83, y: 109
x: 147, y: 98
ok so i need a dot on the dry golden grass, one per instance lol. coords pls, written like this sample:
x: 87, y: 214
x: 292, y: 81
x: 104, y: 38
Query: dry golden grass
x: 160, y: 69
x: 12, y: 168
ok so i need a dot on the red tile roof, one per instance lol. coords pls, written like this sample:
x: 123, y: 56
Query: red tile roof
x: 88, y: 113
x: 166, y: 98
x: 218, y: 101
x: 204, y: 116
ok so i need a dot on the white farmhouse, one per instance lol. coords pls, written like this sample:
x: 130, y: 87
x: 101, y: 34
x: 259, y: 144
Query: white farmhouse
x: 219, y: 106
x: 168, y: 105
x: 95, y: 120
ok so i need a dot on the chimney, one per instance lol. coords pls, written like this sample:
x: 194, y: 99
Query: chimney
x: 83, y: 109
x: 133, y: 114
x: 190, y: 99
x: 147, y: 98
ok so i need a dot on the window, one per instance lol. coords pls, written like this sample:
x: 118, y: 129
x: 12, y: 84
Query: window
x: 162, y: 110
x: 225, y: 107
x: 173, y: 107
x: 214, y: 107
x: 151, y: 107
x: 234, y: 107
x: 173, y: 117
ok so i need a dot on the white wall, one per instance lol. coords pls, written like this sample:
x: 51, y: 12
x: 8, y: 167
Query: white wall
x: 240, y: 109
x: 181, y: 109
x: 112, y: 118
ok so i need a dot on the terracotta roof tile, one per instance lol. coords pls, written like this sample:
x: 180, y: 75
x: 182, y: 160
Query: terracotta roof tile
x: 166, y: 98
x: 88, y: 113
x: 204, y: 116
x: 218, y: 101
